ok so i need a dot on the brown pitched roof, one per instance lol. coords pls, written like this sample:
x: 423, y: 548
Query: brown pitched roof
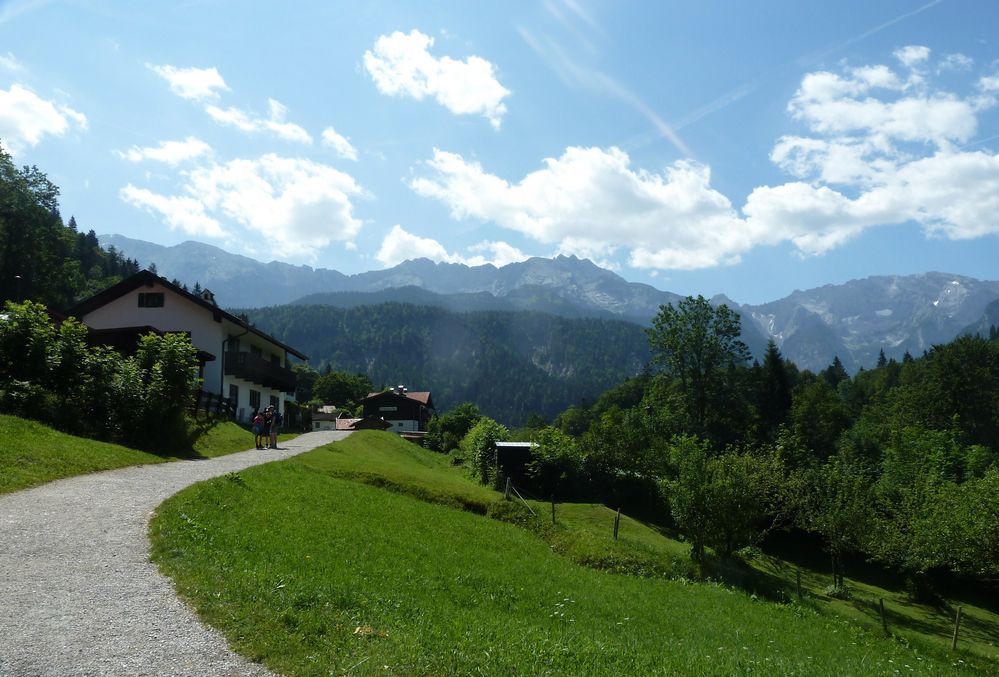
x: 144, y: 277
x: 421, y: 397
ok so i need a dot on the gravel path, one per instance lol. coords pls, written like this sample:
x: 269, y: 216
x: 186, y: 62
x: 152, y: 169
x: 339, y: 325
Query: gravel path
x: 78, y: 594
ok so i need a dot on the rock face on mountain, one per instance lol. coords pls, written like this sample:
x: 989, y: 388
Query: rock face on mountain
x: 987, y: 324
x: 852, y: 321
x: 857, y: 320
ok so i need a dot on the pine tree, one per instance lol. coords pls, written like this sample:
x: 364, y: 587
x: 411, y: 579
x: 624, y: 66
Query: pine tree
x: 775, y: 391
x: 835, y: 373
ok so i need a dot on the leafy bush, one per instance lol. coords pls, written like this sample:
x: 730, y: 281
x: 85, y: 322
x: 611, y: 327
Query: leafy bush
x: 479, y: 447
x: 52, y: 375
x: 556, y: 464
x: 717, y: 501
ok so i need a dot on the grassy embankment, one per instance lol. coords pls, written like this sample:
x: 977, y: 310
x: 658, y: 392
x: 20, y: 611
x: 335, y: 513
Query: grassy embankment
x: 32, y: 453
x: 354, y: 559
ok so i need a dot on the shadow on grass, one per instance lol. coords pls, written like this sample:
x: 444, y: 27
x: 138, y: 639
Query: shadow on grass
x: 182, y: 444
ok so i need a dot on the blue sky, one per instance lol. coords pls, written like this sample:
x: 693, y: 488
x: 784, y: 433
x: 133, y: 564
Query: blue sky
x: 702, y: 147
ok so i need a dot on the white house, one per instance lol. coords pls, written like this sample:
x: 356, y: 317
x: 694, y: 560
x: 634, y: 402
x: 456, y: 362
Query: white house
x: 239, y: 361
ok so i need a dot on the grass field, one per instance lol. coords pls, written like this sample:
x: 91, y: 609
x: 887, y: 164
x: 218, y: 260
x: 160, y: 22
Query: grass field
x: 355, y: 559
x: 32, y: 453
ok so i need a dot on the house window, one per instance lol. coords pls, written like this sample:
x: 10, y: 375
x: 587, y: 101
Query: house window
x: 151, y: 299
x: 254, y: 350
x: 234, y: 394
x: 255, y: 399
x: 316, y: 424
x: 274, y: 402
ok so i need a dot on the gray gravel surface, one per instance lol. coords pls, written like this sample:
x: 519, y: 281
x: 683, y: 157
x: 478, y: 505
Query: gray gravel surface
x: 78, y: 594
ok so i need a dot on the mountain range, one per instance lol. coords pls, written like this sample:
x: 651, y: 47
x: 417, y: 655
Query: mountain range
x: 854, y: 321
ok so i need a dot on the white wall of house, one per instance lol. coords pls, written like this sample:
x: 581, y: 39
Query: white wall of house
x: 177, y: 314
x: 403, y: 426
x: 182, y: 314
x: 244, y: 407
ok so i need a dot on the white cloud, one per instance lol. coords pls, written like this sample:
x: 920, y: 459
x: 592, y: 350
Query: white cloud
x: 197, y: 84
x: 592, y: 203
x: 25, y: 118
x: 892, y: 156
x: 182, y: 213
x: 401, y: 65
x: 951, y: 194
x: 989, y: 83
x: 339, y: 143
x: 912, y: 55
x: 831, y: 104
x: 275, y: 122
x: 400, y: 245
x: 841, y: 160
x: 294, y: 206
x: 495, y: 253
x: 9, y: 62
x: 169, y: 152
x: 956, y: 62
x: 878, y: 149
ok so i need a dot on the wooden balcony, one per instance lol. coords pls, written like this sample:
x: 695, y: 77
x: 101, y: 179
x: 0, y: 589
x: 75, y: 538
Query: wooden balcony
x: 256, y: 369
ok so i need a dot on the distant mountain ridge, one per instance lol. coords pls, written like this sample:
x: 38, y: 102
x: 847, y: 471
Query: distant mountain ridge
x: 853, y: 321
x: 858, y: 319
x: 578, y: 285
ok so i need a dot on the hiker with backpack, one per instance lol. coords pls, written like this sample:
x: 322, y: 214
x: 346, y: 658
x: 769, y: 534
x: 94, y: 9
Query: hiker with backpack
x: 276, y: 420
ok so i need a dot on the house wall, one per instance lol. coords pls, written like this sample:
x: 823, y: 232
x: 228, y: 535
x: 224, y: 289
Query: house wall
x: 177, y: 314
x: 243, y: 343
x: 181, y: 314
x: 403, y: 426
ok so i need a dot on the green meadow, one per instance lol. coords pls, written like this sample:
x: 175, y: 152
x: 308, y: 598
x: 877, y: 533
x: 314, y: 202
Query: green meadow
x: 33, y: 453
x: 373, y: 556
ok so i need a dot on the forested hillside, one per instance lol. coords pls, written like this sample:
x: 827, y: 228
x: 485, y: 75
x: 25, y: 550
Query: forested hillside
x: 511, y: 364
x: 898, y: 464
x: 41, y: 258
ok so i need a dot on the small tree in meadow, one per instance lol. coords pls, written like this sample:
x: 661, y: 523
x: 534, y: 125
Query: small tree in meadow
x: 837, y: 506
x: 718, y: 501
x: 556, y: 464
x: 479, y: 446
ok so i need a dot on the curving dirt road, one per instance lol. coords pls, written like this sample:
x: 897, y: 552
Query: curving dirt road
x: 78, y: 595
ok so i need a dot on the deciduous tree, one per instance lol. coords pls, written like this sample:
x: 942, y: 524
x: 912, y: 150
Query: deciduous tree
x: 697, y: 345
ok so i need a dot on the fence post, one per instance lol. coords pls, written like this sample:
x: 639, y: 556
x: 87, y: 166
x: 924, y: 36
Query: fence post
x: 957, y: 628
x: 617, y: 522
x: 506, y: 494
x: 553, y: 508
x: 884, y: 617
